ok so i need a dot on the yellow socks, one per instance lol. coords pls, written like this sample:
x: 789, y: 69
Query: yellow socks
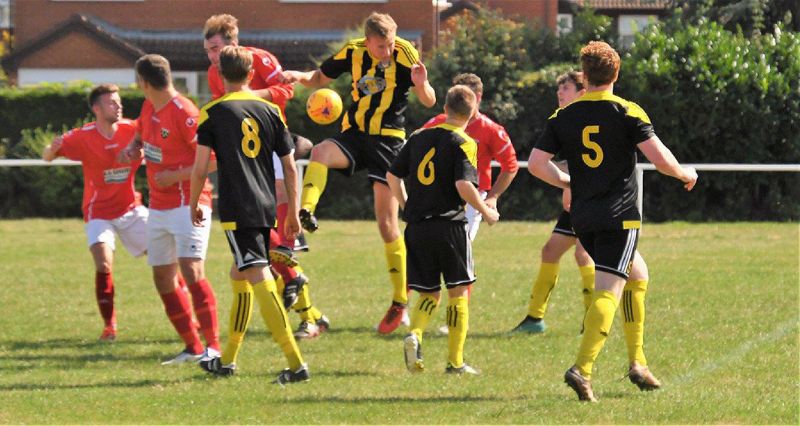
x: 422, y: 313
x: 457, y: 325
x: 587, y: 277
x: 597, y: 325
x: 241, y: 310
x: 396, y: 260
x: 314, y: 180
x: 275, y: 317
x: 542, y: 287
x: 304, y: 307
x: 633, y: 317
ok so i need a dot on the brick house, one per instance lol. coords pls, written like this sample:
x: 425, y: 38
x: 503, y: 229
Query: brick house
x: 99, y: 40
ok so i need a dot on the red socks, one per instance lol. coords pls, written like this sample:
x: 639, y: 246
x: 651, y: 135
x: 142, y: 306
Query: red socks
x: 205, y: 309
x: 282, y: 211
x: 104, y: 292
x: 176, y: 305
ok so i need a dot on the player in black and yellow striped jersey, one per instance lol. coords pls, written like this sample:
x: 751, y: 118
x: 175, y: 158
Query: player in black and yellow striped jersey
x: 598, y: 135
x: 437, y: 166
x: 384, y: 68
x: 244, y: 130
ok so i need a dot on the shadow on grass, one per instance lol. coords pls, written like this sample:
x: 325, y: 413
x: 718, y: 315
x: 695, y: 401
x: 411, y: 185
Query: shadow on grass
x: 443, y: 399
x: 105, y: 385
x: 79, y: 343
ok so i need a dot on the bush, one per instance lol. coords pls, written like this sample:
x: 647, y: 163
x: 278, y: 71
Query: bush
x: 719, y: 97
x: 51, y: 106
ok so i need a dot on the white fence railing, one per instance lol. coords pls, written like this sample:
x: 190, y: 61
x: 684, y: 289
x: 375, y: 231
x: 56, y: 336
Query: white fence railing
x: 640, y: 168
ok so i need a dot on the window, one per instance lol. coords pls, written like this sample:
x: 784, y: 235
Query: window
x: 185, y: 82
x: 5, y: 14
x: 564, y: 23
x: 629, y: 25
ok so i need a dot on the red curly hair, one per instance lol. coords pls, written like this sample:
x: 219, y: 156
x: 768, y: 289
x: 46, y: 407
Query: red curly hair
x: 600, y: 63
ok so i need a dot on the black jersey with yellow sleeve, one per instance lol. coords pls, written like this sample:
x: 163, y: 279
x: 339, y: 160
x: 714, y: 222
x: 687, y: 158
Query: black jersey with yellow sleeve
x: 380, y: 90
x: 597, y: 134
x: 244, y: 130
x: 431, y: 162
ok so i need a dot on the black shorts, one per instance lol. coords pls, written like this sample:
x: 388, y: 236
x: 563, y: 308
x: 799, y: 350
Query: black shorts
x: 564, y: 225
x: 436, y: 249
x: 372, y: 152
x: 249, y: 246
x: 612, y: 251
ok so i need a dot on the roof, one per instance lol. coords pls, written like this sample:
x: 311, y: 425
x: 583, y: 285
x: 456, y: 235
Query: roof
x: 183, y: 48
x: 643, y: 5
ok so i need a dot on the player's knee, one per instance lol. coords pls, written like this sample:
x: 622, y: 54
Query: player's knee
x: 103, y: 267
x: 323, y: 152
x: 551, y: 252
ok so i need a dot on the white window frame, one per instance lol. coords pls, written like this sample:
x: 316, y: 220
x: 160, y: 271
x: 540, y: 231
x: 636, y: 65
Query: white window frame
x: 566, y: 18
x: 5, y: 13
x: 191, y: 80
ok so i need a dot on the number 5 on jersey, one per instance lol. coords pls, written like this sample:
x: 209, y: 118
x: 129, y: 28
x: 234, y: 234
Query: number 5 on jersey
x: 425, y: 171
x: 251, y: 143
x: 586, y: 138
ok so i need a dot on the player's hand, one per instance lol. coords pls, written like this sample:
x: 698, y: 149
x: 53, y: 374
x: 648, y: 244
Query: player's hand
x: 289, y: 77
x: 130, y: 154
x: 566, y: 199
x: 197, y: 216
x: 165, y: 178
x: 419, y: 74
x: 491, y: 202
x: 690, y: 178
x: 291, y: 228
x: 492, y: 216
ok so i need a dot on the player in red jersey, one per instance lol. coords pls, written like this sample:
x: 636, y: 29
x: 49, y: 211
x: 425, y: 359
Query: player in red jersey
x: 167, y: 135
x: 111, y: 205
x: 493, y: 144
x: 220, y: 31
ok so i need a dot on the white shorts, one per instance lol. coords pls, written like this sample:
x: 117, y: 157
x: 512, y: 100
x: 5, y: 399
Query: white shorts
x: 131, y: 228
x: 277, y: 166
x: 474, y: 219
x: 171, y: 235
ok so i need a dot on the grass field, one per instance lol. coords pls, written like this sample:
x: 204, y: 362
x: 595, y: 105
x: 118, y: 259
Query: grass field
x: 722, y: 334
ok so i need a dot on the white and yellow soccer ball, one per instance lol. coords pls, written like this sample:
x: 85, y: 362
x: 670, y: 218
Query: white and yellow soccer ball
x: 324, y: 106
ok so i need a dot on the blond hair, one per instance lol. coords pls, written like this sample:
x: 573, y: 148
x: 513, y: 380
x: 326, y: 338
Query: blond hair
x: 379, y: 24
x: 235, y: 63
x: 225, y: 25
x: 460, y: 102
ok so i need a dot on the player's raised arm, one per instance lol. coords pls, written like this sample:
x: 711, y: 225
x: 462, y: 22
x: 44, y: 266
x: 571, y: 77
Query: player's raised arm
x: 541, y: 166
x: 422, y: 88
x: 312, y: 79
x: 661, y: 157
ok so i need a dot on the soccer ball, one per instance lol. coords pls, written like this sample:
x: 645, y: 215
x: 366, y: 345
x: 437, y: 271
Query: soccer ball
x: 324, y: 106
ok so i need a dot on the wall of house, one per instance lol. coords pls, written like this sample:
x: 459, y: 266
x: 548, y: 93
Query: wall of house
x: 32, y: 17
x: 544, y: 11
x: 75, y: 50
